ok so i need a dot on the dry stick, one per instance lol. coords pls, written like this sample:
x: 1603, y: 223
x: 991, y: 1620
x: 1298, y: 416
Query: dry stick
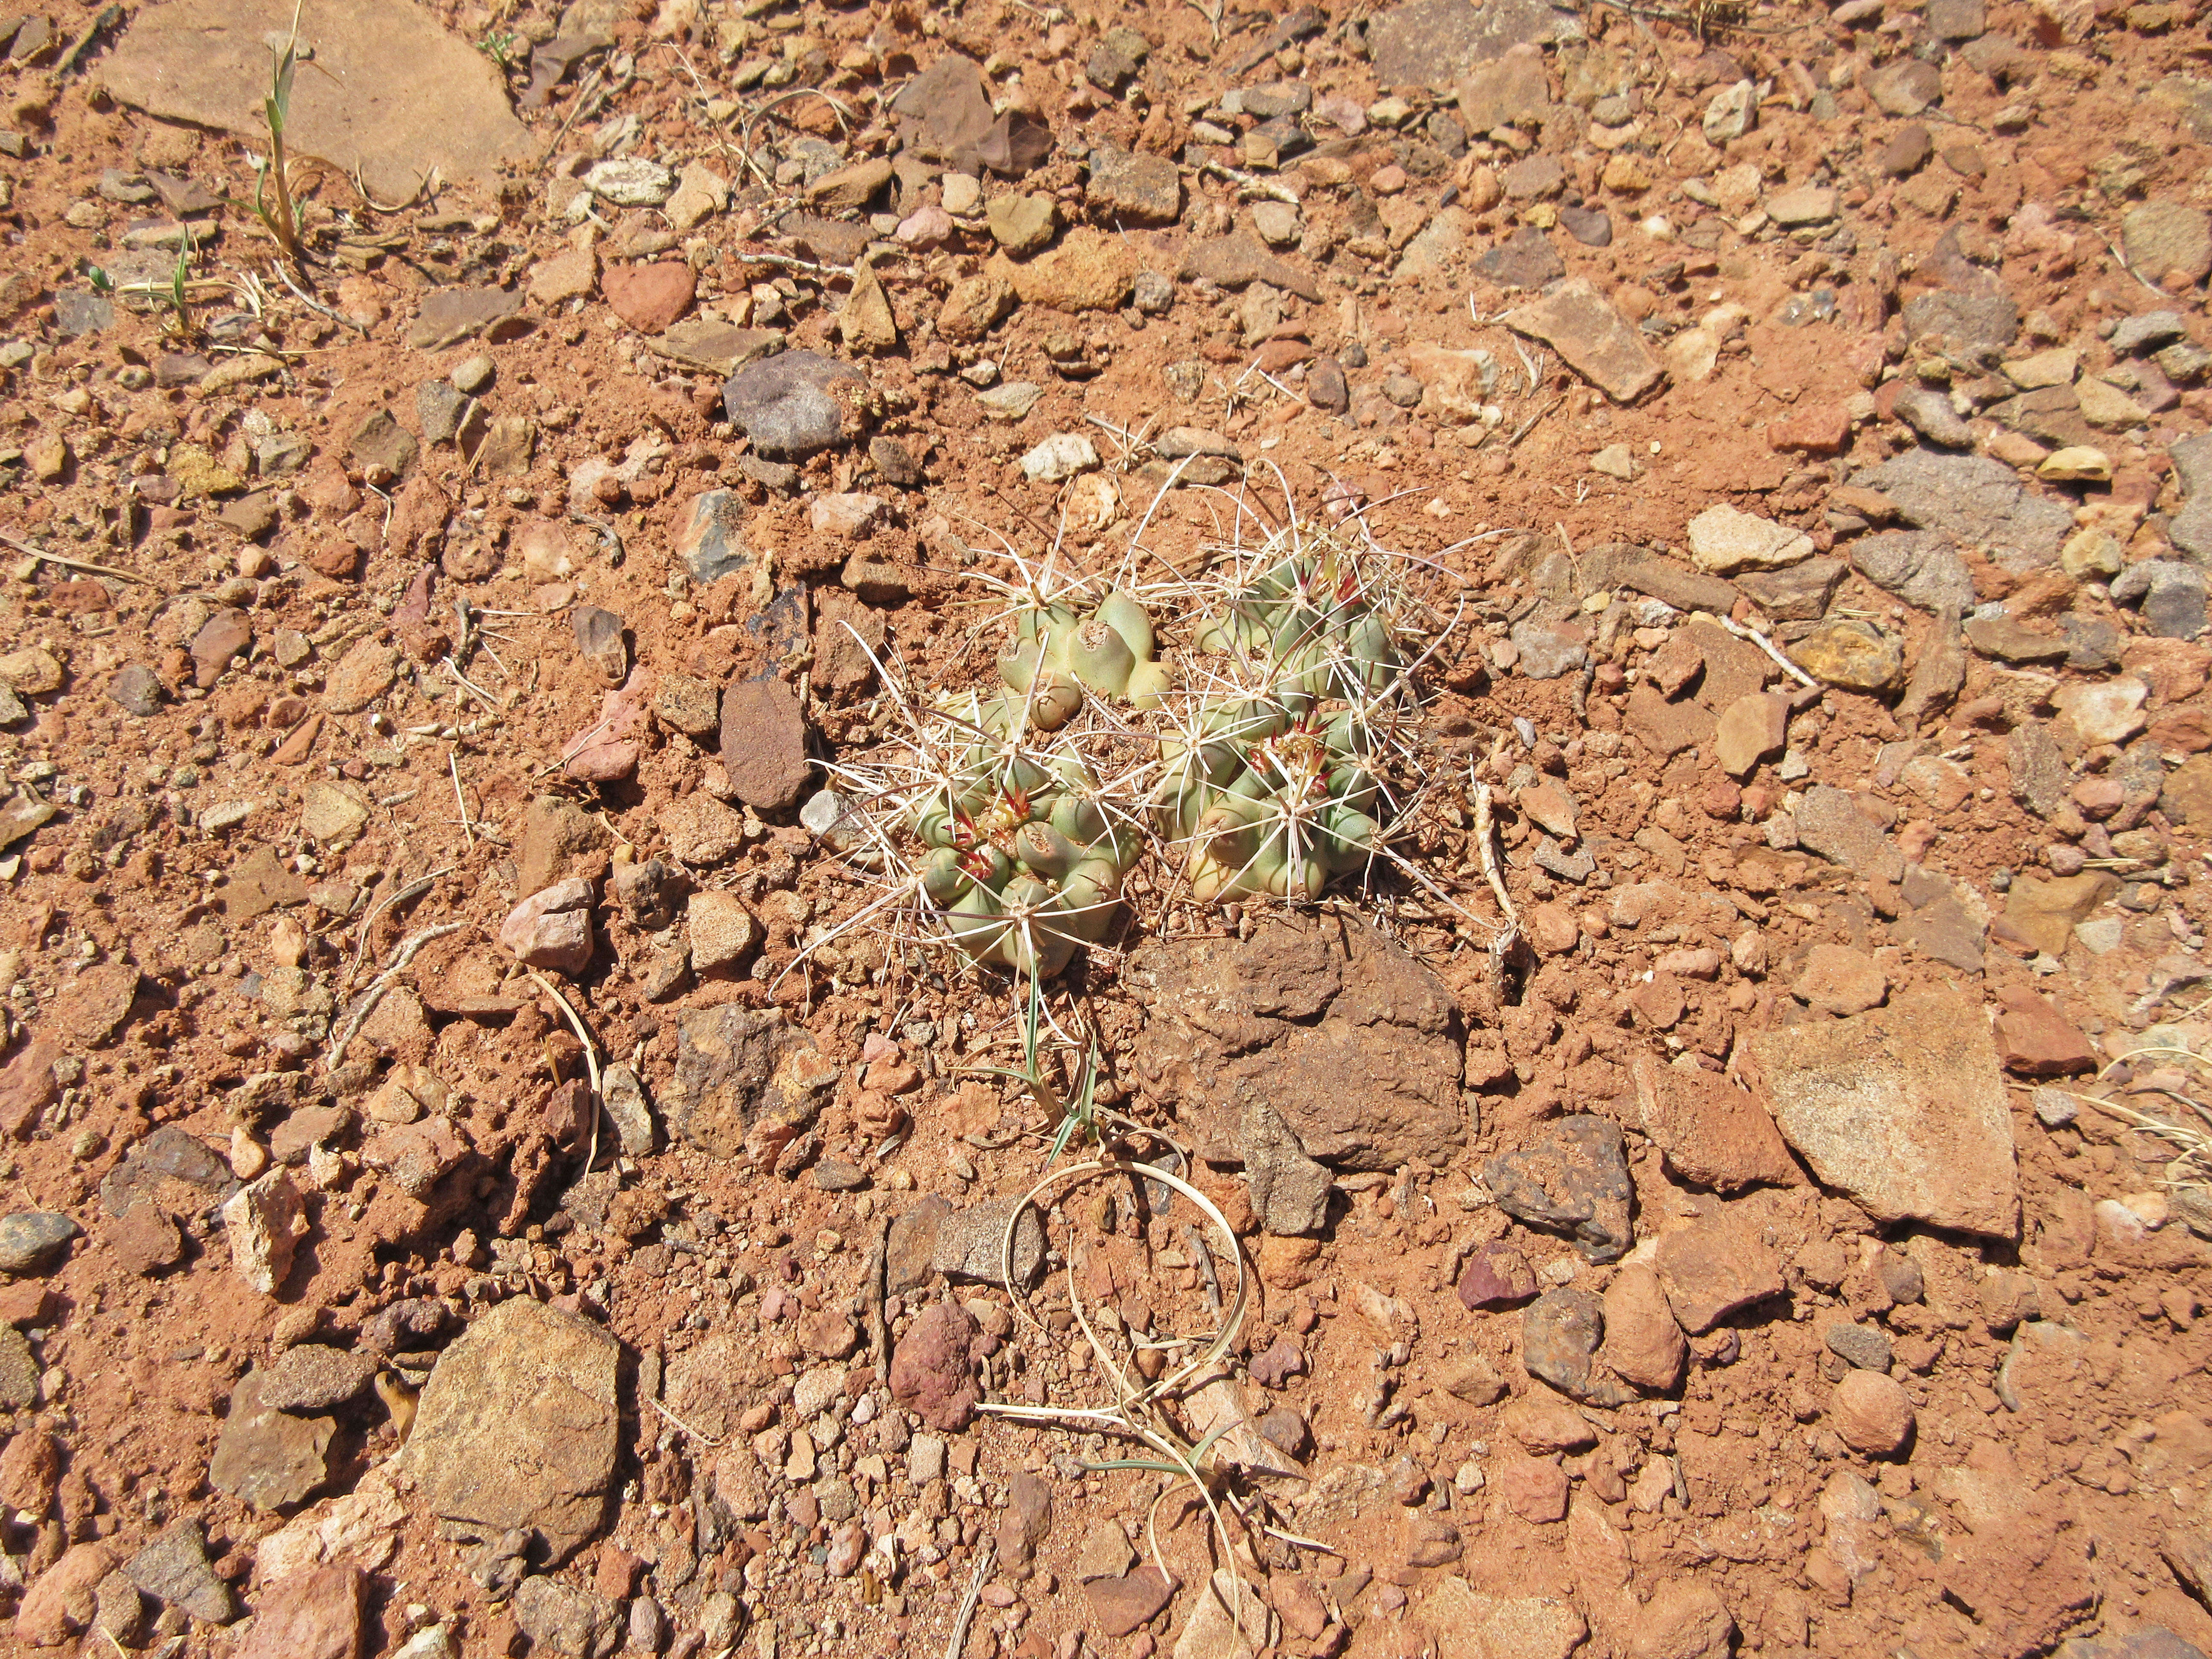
x: 75, y: 564
x: 984, y: 1556
x: 460, y: 800
x: 703, y: 1439
x: 874, y: 1288
x: 1767, y: 646
x: 367, y: 1004
x: 590, y: 1060
x: 420, y: 884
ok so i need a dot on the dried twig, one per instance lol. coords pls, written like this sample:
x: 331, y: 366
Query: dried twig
x: 37, y: 552
x: 591, y: 1059
x: 365, y: 1005
x: 986, y: 1554
x: 703, y: 1439
x: 452, y: 761
x: 398, y: 896
x: 1767, y: 646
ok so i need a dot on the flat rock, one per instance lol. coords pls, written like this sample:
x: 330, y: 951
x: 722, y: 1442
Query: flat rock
x: 1576, y: 321
x: 1921, y: 568
x: 2034, y: 1039
x: 1830, y: 824
x: 314, y: 1613
x: 1087, y: 271
x: 518, y: 1427
x: 763, y: 742
x: 1121, y: 1605
x: 265, y: 1457
x: 1572, y: 1176
x: 1430, y: 43
x: 174, y: 1570
x: 1978, y: 502
x: 391, y: 96
x: 737, y: 1067
x: 795, y: 404
x: 1902, y: 1107
x: 313, y: 1376
x: 1349, y: 1039
x: 1711, y: 1133
x: 449, y: 316
x: 650, y: 298
x: 1469, y: 1625
x: 1725, y: 540
x: 1712, y: 1268
x: 1643, y: 1342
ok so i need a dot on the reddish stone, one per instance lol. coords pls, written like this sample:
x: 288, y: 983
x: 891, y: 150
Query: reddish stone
x: 28, y: 1087
x: 2035, y: 1040
x: 1821, y: 431
x: 933, y: 1367
x: 650, y: 297
x: 616, y: 1576
x: 314, y: 1614
x: 59, y: 1603
x: 1711, y: 1268
x: 26, y: 1304
x: 1497, y: 1276
x: 1121, y: 1605
x: 1533, y: 1488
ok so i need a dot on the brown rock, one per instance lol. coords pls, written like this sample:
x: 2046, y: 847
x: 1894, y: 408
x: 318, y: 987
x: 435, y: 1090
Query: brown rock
x: 1643, y: 1343
x: 1902, y: 1107
x: 1872, y: 1413
x: 28, y: 1087
x: 1753, y: 726
x: 1575, y: 322
x: 1497, y: 1276
x: 59, y: 1602
x: 1684, y: 1619
x: 650, y: 297
x: 1533, y: 1488
x: 1121, y: 1605
x: 93, y: 1007
x: 1712, y: 1133
x: 933, y: 1367
x: 1711, y: 1268
x: 2035, y: 1040
x: 764, y: 742
x: 1839, y: 980
x: 313, y: 1614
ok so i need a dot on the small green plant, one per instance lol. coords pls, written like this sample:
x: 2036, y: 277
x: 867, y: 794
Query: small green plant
x: 272, y: 174
x: 1024, y: 860
x: 1260, y: 749
x: 1059, y: 654
x: 498, y: 44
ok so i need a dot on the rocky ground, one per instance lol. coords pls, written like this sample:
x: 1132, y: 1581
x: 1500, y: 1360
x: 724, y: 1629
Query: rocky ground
x: 469, y: 1189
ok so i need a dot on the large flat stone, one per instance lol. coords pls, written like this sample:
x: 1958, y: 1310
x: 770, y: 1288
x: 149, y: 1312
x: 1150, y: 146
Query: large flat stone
x: 390, y: 96
x: 518, y: 1427
x: 1902, y: 1107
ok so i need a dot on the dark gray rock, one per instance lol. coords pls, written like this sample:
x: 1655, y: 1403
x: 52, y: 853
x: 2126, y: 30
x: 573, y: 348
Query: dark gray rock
x: 1572, y: 1178
x: 2147, y: 332
x: 1560, y: 1334
x: 2170, y: 593
x: 174, y: 1570
x: 1525, y: 259
x: 1797, y: 592
x: 1978, y: 502
x: 1289, y: 1190
x: 1989, y: 319
x: 32, y: 1240
x: 438, y: 408
x: 1591, y: 227
x: 1929, y: 412
x: 795, y: 404
x: 2040, y: 778
x: 1866, y: 1347
x: 1921, y: 567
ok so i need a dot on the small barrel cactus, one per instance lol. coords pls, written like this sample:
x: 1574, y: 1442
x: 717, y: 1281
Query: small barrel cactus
x: 1275, y: 792
x: 1059, y: 654
x: 1024, y: 858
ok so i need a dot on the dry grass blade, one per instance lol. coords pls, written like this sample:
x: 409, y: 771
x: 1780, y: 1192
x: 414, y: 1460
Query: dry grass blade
x: 1139, y: 1411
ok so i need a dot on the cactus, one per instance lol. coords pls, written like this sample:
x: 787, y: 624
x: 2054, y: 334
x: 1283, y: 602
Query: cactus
x: 1258, y: 753
x: 1024, y: 858
x: 1273, y: 791
x: 1059, y: 654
